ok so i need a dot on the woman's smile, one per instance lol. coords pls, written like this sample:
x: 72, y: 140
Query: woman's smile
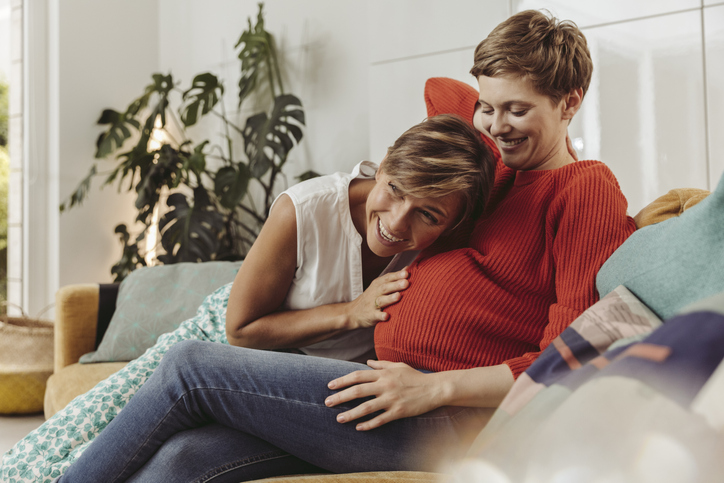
x: 385, y: 234
x: 511, y: 143
x: 397, y: 221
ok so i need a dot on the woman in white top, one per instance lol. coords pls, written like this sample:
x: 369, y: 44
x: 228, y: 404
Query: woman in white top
x: 312, y: 279
x: 309, y: 280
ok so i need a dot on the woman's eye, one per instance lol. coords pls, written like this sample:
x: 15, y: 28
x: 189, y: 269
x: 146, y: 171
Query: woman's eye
x: 518, y: 113
x: 487, y: 112
x: 429, y: 217
x: 392, y: 187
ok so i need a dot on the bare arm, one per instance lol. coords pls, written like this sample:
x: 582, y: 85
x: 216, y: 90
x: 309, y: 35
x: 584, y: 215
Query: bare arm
x: 254, y: 318
x: 401, y: 391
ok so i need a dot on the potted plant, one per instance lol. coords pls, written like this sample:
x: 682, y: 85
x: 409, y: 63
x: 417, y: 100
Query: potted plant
x: 210, y: 209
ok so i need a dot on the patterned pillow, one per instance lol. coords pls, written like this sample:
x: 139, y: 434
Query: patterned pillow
x: 648, y: 411
x: 155, y: 300
x: 617, y: 319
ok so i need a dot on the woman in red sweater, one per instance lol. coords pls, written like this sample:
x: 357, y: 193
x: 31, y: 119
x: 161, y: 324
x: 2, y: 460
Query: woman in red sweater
x: 471, y: 320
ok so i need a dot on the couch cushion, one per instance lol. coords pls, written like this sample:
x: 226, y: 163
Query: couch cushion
x: 155, y: 300
x: 372, y: 477
x: 74, y: 380
x: 672, y: 204
x: 673, y: 263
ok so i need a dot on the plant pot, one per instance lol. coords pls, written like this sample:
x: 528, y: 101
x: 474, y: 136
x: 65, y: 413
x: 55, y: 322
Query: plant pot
x: 26, y: 363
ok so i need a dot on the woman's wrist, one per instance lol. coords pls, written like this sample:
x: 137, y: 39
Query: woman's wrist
x: 348, y: 319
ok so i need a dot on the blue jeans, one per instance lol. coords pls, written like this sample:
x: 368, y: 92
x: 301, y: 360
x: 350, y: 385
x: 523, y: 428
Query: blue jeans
x: 212, y: 412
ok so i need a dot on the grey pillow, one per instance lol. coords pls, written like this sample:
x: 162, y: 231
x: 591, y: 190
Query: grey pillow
x: 155, y: 300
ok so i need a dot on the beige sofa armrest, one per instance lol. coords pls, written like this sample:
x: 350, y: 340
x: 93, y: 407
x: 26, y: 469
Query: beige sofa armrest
x: 76, y: 319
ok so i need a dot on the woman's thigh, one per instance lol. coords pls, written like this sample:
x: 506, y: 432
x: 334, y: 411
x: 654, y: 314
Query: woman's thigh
x: 218, y: 454
x: 279, y: 398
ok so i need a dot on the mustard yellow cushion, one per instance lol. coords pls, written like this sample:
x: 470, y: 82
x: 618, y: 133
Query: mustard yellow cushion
x: 672, y: 204
x: 372, y: 477
x: 74, y: 380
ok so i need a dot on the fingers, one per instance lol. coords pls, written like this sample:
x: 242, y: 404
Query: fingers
x: 365, y: 409
x: 375, y: 364
x: 356, y: 377
x: 376, y: 422
x: 392, y: 282
x: 386, y: 300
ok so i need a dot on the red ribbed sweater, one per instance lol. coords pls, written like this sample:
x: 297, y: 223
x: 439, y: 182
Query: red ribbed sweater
x: 529, y: 270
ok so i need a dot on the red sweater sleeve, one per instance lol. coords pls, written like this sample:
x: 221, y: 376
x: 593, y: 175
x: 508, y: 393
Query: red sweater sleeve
x: 449, y: 96
x: 590, y: 222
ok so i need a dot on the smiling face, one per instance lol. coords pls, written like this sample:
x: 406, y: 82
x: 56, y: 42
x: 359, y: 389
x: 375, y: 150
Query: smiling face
x: 397, y: 221
x: 528, y: 128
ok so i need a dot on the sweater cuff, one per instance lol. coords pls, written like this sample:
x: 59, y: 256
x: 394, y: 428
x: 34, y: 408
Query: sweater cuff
x: 521, y: 364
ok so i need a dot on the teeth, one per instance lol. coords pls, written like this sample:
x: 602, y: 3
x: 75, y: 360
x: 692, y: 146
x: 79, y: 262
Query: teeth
x: 513, y: 142
x: 385, y: 233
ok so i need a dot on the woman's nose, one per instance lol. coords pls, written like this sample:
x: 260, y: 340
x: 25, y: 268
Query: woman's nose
x: 499, y: 125
x: 399, y: 220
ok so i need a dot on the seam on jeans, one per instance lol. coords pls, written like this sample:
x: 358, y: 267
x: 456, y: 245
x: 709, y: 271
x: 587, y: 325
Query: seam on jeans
x: 265, y: 396
x: 223, y: 469
x: 141, y: 446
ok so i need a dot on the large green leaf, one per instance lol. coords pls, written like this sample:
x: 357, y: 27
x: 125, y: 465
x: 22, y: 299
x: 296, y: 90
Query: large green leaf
x: 258, y: 59
x: 131, y: 258
x: 139, y: 160
x: 118, y: 131
x: 119, y: 123
x: 203, y: 95
x: 167, y: 169
x: 268, y: 140
x: 230, y: 185
x: 162, y: 84
x: 196, y: 161
x: 190, y: 232
x: 81, y: 191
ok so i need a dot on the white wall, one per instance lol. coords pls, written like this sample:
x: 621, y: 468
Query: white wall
x: 324, y: 49
x: 654, y: 112
x: 106, y: 53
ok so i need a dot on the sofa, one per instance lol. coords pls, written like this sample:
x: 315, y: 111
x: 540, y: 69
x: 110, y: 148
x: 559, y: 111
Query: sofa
x: 83, y: 313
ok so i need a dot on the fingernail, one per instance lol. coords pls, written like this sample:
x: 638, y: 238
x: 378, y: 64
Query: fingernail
x: 328, y: 401
x: 340, y: 418
x: 331, y: 385
x: 359, y: 427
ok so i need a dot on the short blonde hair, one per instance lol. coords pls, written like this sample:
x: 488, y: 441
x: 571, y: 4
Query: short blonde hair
x: 440, y: 156
x: 553, y: 54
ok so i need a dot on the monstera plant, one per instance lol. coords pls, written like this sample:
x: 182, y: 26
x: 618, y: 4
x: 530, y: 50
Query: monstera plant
x: 217, y: 197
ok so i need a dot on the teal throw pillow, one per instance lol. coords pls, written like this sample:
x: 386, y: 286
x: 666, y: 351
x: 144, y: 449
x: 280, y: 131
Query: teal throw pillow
x: 155, y: 300
x: 674, y: 263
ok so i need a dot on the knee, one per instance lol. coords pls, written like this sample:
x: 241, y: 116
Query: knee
x: 183, y: 353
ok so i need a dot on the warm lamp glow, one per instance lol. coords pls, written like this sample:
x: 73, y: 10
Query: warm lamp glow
x: 156, y: 140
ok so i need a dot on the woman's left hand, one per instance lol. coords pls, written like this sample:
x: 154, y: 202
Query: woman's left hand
x: 399, y: 391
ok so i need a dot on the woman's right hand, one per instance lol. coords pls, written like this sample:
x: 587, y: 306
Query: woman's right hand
x: 367, y: 309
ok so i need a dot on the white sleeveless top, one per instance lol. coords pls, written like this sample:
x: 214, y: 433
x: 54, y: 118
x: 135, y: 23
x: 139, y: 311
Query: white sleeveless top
x: 329, y: 256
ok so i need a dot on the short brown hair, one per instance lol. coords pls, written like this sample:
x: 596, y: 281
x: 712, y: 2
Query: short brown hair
x: 553, y: 54
x: 440, y: 156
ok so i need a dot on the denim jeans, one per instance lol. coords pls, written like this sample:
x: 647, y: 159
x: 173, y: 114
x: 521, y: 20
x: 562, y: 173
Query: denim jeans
x: 212, y: 412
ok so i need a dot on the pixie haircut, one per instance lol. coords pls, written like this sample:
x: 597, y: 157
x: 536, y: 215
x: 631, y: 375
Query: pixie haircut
x: 440, y: 156
x: 552, y: 54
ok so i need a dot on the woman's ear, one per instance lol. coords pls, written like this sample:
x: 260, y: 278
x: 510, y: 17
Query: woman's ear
x: 571, y: 102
